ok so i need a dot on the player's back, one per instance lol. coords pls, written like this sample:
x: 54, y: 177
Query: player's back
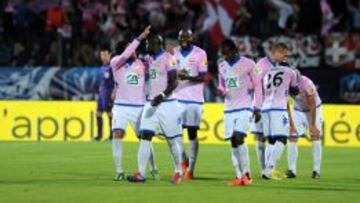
x: 306, y: 88
x: 276, y: 85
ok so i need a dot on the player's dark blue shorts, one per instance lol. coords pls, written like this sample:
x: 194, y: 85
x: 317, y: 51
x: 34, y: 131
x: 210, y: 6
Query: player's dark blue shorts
x: 104, y: 102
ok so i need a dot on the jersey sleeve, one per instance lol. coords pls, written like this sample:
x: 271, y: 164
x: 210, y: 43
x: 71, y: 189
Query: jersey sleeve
x: 293, y: 79
x: 309, y: 88
x: 256, y: 84
x: 221, y: 79
x: 203, y: 66
x: 171, y: 64
x: 119, y: 60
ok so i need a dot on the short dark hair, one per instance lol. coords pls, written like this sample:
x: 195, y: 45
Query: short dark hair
x: 229, y: 44
x: 156, y: 37
x: 279, y: 46
x: 105, y: 47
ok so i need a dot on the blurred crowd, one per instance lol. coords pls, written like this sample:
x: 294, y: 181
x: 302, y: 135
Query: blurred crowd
x: 71, y: 32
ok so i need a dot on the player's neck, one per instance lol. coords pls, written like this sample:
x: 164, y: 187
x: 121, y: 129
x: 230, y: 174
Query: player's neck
x: 233, y: 60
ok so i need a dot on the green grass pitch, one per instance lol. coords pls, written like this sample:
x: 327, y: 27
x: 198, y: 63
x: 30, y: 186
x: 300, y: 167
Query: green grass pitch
x: 83, y: 172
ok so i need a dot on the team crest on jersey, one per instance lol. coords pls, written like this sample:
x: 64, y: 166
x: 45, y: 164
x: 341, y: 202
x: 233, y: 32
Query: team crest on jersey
x: 231, y: 82
x: 132, y: 79
x: 256, y: 70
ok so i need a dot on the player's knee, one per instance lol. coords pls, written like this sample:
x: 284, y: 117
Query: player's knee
x: 282, y: 139
x: 315, y: 137
x: 234, y: 143
x: 146, y: 135
x: 271, y: 140
x: 293, y: 139
x: 109, y: 114
x: 99, y: 113
x: 192, y: 133
x: 237, y: 140
x: 118, y: 134
x: 260, y: 138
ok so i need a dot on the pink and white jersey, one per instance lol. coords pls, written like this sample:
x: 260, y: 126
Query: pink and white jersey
x: 238, y: 80
x: 194, y: 62
x: 276, y: 83
x: 306, y: 88
x: 129, y: 77
x: 159, y: 66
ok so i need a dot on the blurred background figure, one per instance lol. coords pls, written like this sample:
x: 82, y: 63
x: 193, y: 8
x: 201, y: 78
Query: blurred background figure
x: 106, y: 92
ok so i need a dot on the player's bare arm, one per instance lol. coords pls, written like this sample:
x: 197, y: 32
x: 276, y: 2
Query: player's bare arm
x: 314, y: 132
x: 172, y: 84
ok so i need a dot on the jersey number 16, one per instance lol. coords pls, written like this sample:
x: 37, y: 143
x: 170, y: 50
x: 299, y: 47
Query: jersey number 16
x: 274, y: 80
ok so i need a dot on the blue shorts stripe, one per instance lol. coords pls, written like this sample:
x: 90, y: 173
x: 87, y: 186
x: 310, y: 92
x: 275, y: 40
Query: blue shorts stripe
x: 170, y: 138
x: 268, y: 110
x: 257, y: 133
x: 122, y: 130
x: 240, y: 134
x: 190, y: 102
x: 237, y: 110
x: 305, y: 111
x: 129, y: 105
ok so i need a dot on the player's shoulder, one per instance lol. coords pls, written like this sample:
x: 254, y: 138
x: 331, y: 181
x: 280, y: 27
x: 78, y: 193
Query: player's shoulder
x: 247, y: 60
x: 198, y: 50
x: 262, y: 60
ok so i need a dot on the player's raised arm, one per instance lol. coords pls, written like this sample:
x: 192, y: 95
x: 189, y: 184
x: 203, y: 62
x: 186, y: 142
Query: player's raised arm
x: 124, y: 55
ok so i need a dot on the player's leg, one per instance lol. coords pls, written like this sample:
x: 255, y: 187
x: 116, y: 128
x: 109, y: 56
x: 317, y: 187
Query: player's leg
x: 135, y: 124
x: 119, y: 122
x: 193, y: 119
x: 242, y: 125
x: 317, y: 148
x: 279, y: 123
x: 148, y: 126
x: 182, y: 108
x: 299, y: 119
x: 260, y: 143
x: 292, y: 157
x: 269, y: 148
x: 99, y: 120
x: 171, y: 125
x: 109, y: 114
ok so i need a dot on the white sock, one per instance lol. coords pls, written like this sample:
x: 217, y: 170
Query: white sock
x: 244, y: 158
x: 269, y: 149
x: 117, y: 154
x: 194, y: 149
x: 176, y: 149
x: 143, y: 156
x: 152, y: 158
x: 260, y: 153
x: 292, y: 156
x: 276, y: 155
x: 235, y: 157
x: 317, y: 150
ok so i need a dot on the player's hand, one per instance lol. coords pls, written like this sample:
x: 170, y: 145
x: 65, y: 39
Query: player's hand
x: 293, y: 130
x: 314, y: 132
x: 145, y: 33
x: 157, y: 100
x: 257, y: 116
x: 182, y: 74
x: 219, y: 92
